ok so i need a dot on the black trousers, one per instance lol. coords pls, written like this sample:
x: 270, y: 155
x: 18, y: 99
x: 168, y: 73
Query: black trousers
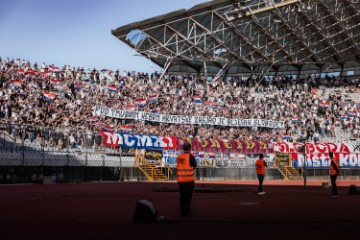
x: 261, y: 180
x: 186, y: 190
x: 333, y: 184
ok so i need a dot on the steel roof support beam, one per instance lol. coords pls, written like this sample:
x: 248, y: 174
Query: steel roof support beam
x: 222, y: 70
x: 299, y: 38
x: 193, y: 45
x: 267, y: 33
x: 251, y: 10
x: 166, y: 67
x: 328, y: 47
x: 185, y: 39
x: 354, y: 10
x: 273, y: 40
x: 172, y: 53
x: 344, y: 32
x: 325, y: 40
x: 219, y: 41
x: 157, y: 46
x: 234, y: 29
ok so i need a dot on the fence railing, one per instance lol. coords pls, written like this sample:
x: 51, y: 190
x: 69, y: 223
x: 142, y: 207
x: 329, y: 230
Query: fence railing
x: 49, y: 138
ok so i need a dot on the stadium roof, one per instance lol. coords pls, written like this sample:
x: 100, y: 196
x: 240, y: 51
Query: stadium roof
x: 251, y: 36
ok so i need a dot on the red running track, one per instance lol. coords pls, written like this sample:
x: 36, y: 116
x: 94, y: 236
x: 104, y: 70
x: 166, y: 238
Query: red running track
x: 105, y: 211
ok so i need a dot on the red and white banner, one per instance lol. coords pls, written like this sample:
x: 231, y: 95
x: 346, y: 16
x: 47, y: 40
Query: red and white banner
x: 312, y: 148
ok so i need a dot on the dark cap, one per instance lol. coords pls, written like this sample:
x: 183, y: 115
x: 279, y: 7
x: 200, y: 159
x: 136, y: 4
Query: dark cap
x: 261, y: 156
x: 187, y: 146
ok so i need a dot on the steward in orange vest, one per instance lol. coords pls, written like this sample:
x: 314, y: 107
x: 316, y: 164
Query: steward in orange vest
x: 334, y: 172
x: 260, y: 172
x: 185, y: 171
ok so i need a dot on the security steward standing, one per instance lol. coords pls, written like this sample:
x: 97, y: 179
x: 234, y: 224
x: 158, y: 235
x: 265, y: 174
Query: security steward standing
x: 260, y: 172
x: 334, y: 172
x: 186, y: 165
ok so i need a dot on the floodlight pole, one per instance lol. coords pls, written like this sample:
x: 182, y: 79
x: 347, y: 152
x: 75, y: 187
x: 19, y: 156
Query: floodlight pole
x: 205, y: 77
x: 303, y: 140
x: 120, y: 165
x: 166, y: 67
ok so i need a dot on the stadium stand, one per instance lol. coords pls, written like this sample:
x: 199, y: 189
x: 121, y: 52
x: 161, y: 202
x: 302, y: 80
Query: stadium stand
x: 58, y: 110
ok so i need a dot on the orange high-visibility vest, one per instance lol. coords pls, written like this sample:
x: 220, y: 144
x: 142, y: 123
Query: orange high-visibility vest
x: 332, y: 168
x: 260, y: 166
x: 185, y: 173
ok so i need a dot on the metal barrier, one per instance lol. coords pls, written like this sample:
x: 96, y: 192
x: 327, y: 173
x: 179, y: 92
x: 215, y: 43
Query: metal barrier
x: 46, y: 155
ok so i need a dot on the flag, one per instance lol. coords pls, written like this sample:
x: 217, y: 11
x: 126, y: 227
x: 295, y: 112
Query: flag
x: 56, y: 81
x: 124, y: 79
x: 20, y: 71
x: 31, y: 72
x: 156, y: 111
x: 215, y: 105
x: 295, y: 119
x: 197, y: 99
x: 78, y: 85
x: 130, y: 107
x: 201, y: 154
x: 211, y: 103
x: 286, y: 137
x: 352, y: 113
x: 108, y: 128
x: 324, y: 104
x: 49, y: 95
x: 89, y: 120
x: 110, y: 101
x: 344, y: 116
x: 66, y: 88
x: 212, y: 155
x: 126, y: 128
x: 45, y: 73
x: 53, y: 69
x: 140, y: 102
x: 112, y: 88
x: 98, y: 124
x: 153, y: 98
x: 16, y: 83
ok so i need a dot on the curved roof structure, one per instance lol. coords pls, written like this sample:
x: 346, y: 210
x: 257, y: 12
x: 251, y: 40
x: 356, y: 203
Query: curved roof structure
x: 251, y: 36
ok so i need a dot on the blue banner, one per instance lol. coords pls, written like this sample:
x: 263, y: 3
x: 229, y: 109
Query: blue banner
x: 136, y: 141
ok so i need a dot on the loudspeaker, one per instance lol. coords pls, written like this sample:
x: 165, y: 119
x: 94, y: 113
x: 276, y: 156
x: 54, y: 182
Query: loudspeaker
x: 354, y: 189
x: 145, y: 212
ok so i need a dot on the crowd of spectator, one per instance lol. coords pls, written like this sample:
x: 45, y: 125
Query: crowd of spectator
x: 63, y: 99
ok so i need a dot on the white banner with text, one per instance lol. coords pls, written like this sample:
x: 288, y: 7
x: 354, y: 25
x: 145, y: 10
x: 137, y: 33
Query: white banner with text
x: 179, y: 119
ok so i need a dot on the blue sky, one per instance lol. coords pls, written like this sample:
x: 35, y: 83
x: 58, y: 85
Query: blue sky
x: 76, y: 32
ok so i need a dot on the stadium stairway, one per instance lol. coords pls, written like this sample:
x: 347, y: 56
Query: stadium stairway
x: 154, y: 172
x: 289, y: 173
